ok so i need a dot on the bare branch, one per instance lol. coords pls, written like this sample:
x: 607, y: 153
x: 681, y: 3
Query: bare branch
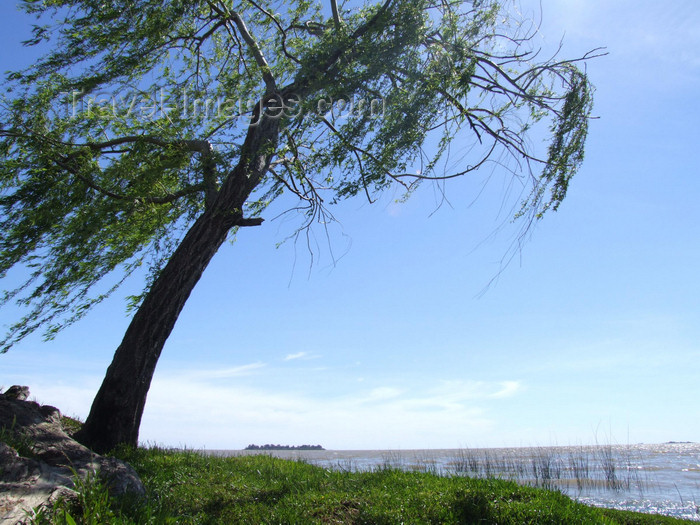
x: 357, y: 150
x: 257, y: 53
x: 199, y: 146
x: 313, y: 28
x: 279, y: 28
x: 252, y: 44
x: 248, y: 221
x: 336, y: 14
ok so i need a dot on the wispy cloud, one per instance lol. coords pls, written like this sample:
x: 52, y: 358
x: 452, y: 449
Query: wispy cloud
x: 474, y: 390
x: 233, y: 415
x: 383, y: 394
x: 300, y: 355
x: 445, y: 395
x: 236, y: 371
x: 645, y: 31
x: 196, y: 408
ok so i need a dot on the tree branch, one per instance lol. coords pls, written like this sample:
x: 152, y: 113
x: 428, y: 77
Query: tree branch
x: 199, y: 146
x: 279, y: 28
x: 336, y: 14
x: 313, y: 28
x: 252, y: 44
x: 163, y: 199
x: 203, y: 147
x: 249, y: 221
x: 257, y: 53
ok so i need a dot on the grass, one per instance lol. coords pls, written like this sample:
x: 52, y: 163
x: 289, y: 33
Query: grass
x: 71, y: 424
x: 17, y: 439
x: 599, y: 467
x: 188, y: 487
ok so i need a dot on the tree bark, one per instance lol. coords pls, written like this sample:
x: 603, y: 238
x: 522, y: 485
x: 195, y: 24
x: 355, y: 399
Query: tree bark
x: 115, y: 415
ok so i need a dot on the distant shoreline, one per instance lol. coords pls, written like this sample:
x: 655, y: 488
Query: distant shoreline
x: 284, y: 447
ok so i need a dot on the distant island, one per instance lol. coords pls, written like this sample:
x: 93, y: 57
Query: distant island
x: 284, y: 447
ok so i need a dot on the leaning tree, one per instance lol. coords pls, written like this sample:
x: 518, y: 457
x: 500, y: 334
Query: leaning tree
x: 151, y: 131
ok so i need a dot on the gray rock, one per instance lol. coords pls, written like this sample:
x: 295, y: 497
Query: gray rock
x: 17, y: 392
x: 39, y: 461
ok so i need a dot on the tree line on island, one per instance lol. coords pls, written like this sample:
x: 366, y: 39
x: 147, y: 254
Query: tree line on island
x: 284, y: 447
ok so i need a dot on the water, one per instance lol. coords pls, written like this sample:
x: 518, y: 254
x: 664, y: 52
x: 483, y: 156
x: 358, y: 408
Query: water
x: 663, y: 479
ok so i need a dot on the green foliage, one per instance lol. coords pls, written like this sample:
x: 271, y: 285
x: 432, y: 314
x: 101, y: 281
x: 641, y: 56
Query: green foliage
x: 565, y: 153
x: 121, y: 136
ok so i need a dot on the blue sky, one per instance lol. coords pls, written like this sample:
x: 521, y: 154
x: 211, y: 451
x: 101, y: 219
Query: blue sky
x: 591, y: 334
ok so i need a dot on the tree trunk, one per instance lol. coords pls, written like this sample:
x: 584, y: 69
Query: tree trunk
x: 115, y: 415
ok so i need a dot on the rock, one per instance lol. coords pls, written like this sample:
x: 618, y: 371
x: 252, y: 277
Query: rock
x: 39, y: 461
x: 119, y: 476
x: 17, y: 392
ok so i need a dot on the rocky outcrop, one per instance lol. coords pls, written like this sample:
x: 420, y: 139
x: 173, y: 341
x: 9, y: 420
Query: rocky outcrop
x: 39, y: 460
x: 17, y: 392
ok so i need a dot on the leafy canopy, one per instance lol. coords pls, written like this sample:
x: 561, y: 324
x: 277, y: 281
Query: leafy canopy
x: 121, y: 135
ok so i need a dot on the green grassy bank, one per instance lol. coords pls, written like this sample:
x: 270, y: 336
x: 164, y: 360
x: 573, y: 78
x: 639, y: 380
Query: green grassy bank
x: 189, y: 487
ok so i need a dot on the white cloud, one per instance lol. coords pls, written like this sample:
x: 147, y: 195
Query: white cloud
x: 301, y: 356
x: 382, y: 394
x: 236, y: 371
x: 508, y: 389
x: 298, y: 355
x: 471, y: 390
